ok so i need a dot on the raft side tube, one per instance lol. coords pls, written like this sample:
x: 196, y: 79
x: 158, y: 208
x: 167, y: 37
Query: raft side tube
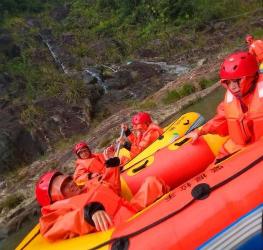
x: 175, y: 163
x: 201, y: 207
x: 175, y: 130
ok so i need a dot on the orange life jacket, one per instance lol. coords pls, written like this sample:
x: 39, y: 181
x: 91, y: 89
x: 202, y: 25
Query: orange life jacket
x: 65, y: 219
x: 139, y: 143
x: 94, y: 164
x: 245, y: 127
x: 256, y: 49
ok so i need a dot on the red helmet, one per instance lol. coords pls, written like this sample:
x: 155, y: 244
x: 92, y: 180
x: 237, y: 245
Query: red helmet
x: 42, y: 189
x: 80, y: 146
x: 141, y: 117
x: 249, y: 38
x: 238, y: 65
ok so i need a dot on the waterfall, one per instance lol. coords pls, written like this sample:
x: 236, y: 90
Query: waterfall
x: 54, y: 55
x: 59, y: 62
x: 170, y: 69
x: 97, y: 76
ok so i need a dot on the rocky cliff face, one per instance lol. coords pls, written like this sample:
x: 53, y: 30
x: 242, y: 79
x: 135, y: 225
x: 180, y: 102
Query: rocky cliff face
x: 29, y: 129
x: 26, y: 136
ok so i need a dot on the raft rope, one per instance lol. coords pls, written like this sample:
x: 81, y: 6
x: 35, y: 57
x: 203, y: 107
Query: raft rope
x: 198, y: 122
x: 202, y: 191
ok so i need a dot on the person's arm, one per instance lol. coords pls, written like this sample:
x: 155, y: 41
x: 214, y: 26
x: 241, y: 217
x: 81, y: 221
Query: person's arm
x: 64, y: 223
x: 81, y: 174
x: 60, y: 221
x: 147, y: 139
x: 251, y: 51
x: 95, y: 215
x: 217, y: 125
x: 112, y: 174
x: 128, y: 134
x: 144, y: 143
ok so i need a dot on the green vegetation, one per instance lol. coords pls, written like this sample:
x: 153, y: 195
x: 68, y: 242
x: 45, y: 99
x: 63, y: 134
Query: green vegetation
x: 146, y: 105
x: 11, y: 7
x: 107, y: 31
x: 187, y: 89
x: 32, y: 116
x: 258, y: 32
x: 205, y: 83
x: 11, y: 201
x: 170, y: 97
x: 143, y: 105
x: 208, y: 81
x: 129, y: 25
x: 174, y: 95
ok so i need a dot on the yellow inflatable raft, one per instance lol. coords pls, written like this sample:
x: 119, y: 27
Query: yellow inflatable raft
x: 185, y: 159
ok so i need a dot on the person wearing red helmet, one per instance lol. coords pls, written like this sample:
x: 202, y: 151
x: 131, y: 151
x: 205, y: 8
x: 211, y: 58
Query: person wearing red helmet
x: 240, y: 114
x: 144, y: 132
x: 88, y: 165
x: 69, y: 210
x: 255, y: 48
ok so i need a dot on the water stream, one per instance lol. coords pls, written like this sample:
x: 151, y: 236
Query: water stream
x: 206, y: 107
x: 99, y: 80
x: 170, y: 68
x: 14, y: 239
x: 54, y: 54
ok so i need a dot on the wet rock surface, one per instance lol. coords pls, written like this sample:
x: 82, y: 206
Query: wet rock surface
x: 132, y: 82
x: 17, y: 146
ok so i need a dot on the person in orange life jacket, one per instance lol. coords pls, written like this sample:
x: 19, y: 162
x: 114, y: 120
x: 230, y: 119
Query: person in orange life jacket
x: 255, y: 47
x: 69, y: 210
x: 240, y: 114
x: 88, y: 165
x: 144, y: 133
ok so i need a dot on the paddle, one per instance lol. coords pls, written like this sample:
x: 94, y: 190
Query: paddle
x: 119, y: 144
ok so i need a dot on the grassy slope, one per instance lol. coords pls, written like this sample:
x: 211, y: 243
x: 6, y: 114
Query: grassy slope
x: 126, y: 26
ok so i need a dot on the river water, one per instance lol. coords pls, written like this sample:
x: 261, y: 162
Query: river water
x: 13, y: 240
x: 206, y: 107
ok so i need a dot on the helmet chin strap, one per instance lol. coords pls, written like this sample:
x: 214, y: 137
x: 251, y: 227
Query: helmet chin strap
x: 242, y: 104
x: 237, y: 95
x: 251, y: 88
x: 241, y: 95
